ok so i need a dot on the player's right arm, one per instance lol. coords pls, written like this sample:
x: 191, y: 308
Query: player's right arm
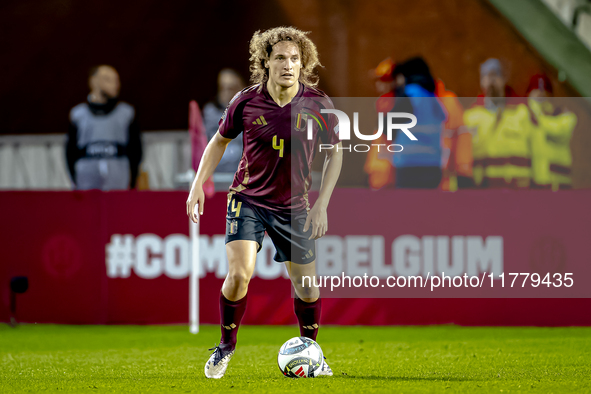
x: 230, y: 127
x: 211, y: 157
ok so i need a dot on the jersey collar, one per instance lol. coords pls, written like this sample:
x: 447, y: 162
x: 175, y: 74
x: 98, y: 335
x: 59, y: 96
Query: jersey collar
x: 300, y: 93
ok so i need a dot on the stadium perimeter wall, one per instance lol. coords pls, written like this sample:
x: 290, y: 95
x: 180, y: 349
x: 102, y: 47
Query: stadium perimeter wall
x: 123, y: 257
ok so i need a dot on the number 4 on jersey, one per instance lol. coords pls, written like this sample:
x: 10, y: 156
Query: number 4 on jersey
x: 278, y: 147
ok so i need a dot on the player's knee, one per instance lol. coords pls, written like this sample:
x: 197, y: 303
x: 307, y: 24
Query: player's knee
x: 238, y: 279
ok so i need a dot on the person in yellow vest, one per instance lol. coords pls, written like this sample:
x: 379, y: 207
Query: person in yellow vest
x: 501, y: 128
x: 551, y: 154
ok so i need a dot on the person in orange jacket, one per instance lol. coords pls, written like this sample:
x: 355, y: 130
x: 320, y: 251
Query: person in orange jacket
x: 378, y: 164
x: 457, y: 143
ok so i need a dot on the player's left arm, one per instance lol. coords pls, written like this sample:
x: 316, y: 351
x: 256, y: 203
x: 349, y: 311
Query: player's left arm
x: 330, y: 174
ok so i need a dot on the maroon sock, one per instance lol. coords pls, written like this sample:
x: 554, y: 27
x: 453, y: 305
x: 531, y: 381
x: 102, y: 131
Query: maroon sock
x: 231, y: 313
x: 308, y: 316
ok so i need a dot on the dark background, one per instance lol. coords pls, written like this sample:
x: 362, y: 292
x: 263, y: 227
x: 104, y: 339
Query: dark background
x: 169, y: 52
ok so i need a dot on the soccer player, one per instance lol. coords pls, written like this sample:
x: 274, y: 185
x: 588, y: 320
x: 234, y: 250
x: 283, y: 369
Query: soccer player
x: 269, y: 192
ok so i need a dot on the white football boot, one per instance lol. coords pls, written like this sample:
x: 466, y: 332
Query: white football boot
x: 324, y: 369
x: 216, y: 366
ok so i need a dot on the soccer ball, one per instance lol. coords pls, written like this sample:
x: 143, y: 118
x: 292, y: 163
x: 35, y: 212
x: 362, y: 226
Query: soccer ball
x: 300, y: 357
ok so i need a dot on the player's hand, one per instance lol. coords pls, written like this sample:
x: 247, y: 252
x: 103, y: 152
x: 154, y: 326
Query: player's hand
x: 196, y: 197
x: 319, y: 220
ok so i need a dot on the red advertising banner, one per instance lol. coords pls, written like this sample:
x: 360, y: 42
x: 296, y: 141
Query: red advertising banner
x: 124, y: 258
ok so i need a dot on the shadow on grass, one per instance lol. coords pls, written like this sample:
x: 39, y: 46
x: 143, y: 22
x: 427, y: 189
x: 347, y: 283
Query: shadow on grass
x: 410, y: 378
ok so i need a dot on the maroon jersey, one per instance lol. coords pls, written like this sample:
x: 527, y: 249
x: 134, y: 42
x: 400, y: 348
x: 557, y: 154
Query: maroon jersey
x: 275, y: 169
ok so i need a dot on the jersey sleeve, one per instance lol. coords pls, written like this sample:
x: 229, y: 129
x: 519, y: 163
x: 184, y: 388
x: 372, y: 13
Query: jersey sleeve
x: 331, y: 136
x: 231, y: 124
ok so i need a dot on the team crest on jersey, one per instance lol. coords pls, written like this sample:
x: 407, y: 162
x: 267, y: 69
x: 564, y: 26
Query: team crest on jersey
x: 301, y: 121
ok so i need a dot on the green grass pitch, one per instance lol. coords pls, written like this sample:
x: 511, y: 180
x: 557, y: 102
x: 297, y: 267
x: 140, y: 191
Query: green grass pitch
x: 54, y: 358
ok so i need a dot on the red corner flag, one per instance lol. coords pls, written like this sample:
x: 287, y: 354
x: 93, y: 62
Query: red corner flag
x: 198, y: 143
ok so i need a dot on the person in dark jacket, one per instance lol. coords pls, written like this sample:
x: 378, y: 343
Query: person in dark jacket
x: 229, y: 83
x: 104, y: 148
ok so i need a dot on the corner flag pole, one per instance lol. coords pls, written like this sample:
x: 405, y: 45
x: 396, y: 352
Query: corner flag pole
x: 194, y: 276
x: 198, y: 138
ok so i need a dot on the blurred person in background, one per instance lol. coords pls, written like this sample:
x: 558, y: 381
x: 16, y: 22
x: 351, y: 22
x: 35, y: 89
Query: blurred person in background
x: 383, y: 78
x: 419, y: 164
x: 493, y: 84
x: 551, y: 154
x: 501, y: 128
x: 378, y: 163
x: 229, y: 83
x: 104, y: 148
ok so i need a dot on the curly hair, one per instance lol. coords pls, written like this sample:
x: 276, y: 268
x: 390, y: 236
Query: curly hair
x: 261, y: 46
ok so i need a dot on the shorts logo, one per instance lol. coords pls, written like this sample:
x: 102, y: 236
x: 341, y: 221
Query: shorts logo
x: 233, y: 227
x: 309, y: 254
x: 260, y: 121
